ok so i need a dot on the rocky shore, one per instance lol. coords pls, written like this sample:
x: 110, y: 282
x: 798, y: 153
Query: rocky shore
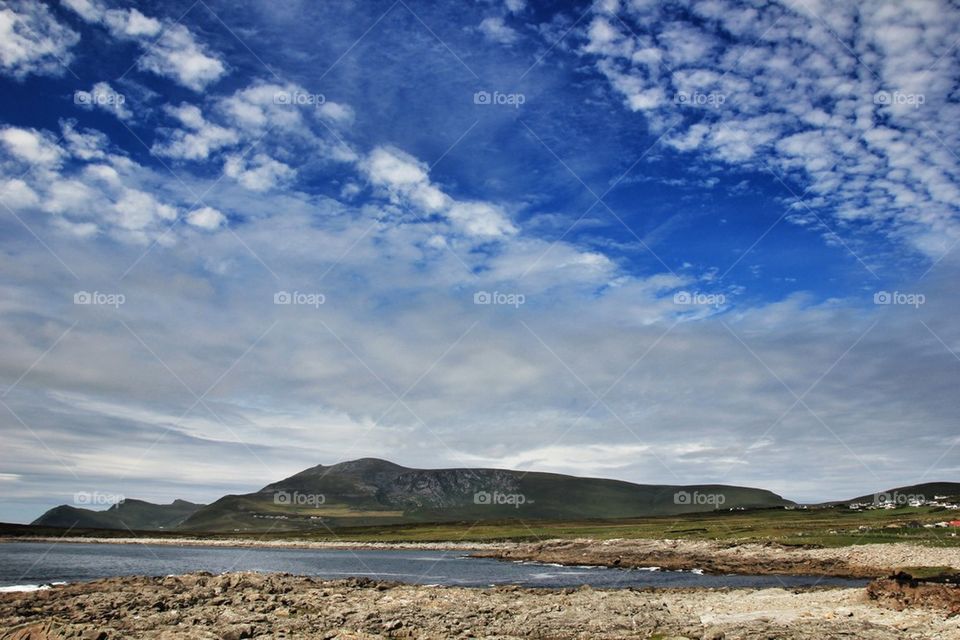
x: 898, y: 593
x: 247, y: 605
x: 861, y: 561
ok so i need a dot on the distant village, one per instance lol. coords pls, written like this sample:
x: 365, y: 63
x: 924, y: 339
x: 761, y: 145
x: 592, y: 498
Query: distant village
x: 893, y: 501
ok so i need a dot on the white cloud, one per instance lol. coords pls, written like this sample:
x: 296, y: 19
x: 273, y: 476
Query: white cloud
x: 350, y: 190
x: 89, y: 10
x: 406, y: 179
x: 262, y: 105
x: 285, y: 125
x: 32, y: 41
x: 31, y: 146
x: 391, y: 167
x: 68, y: 195
x: 855, y: 101
x: 130, y: 23
x: 480, y: 219
x: 341, y: 114
x: 169, y: 49
x: 279, y: 120
x: 17, y: 194
x: 206, y: 218
x: 259, y: 174
x: 135, y: 210
x: 178, y: 55
x: 198, y: 139
x: 85, y: 145
x: 496, y: 30
x: 82, y: 183
x: 588, y: 459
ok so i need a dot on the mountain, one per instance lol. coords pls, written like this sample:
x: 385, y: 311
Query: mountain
x: 129, y: 514
x: 371, y: 491
x: 378, y: 492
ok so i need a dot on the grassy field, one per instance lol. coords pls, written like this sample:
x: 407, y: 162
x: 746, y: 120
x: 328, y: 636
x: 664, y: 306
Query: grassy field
x: 830, y: 527
x: 821, y: 527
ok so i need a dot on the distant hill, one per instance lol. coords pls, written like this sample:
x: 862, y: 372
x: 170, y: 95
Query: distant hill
x: 900, y: 495
x: 371, y: 491
x: 129, y: 514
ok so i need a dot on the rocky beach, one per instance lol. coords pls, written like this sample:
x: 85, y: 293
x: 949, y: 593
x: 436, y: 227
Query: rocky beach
x: 253, y: 605
x: 247, y: 605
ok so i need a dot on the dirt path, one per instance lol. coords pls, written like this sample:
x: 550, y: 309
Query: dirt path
x: 243, y: 605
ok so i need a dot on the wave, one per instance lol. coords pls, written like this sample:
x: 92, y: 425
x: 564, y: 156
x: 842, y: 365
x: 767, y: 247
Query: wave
x: 29, y: 587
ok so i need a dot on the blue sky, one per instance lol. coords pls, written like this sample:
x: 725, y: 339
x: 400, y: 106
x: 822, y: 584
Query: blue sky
x: 694, y: 214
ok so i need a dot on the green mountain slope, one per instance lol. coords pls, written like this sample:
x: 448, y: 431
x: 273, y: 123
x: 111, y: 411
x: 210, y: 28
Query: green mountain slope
x: 129, y: 514
x: 371, y: 491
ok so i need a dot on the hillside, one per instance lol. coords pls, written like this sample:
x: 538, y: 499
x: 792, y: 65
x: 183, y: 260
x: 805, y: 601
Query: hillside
x: 129, y: 514
x: 371, y: 491
x: 924, y: 492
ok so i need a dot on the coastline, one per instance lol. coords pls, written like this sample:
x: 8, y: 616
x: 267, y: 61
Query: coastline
x: 267, y: 544
x: 859, y: 561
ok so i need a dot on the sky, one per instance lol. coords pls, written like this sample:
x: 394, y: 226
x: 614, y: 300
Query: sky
x: 666, y: 242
